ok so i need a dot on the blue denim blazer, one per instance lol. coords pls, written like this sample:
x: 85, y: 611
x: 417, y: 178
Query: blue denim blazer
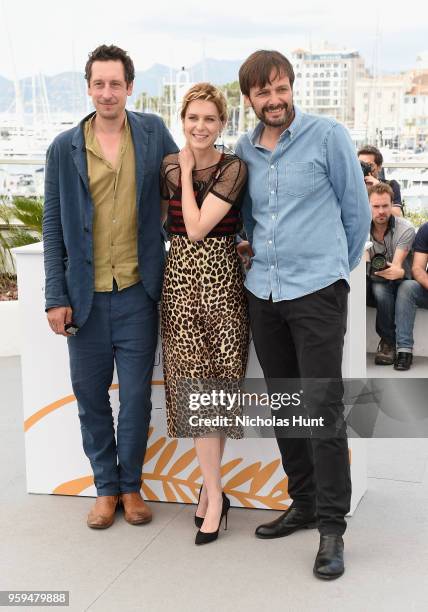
x: 68, y: 214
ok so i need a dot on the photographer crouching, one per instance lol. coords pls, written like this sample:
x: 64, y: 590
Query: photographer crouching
x: 389, y: 264
x: 371, y: 161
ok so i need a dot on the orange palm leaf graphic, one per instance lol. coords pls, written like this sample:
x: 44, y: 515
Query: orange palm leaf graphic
x: 244, y: 484
x: 263, y: 475
x: 255, y: 476
x: 196, y: 474
x: 228, y: 467
x: 166, y: 456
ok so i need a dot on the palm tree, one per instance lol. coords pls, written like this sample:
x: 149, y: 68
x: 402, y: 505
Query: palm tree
x: 20, y: 224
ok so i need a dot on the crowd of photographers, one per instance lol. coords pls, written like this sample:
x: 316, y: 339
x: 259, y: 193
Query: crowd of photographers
x: 397, y: 278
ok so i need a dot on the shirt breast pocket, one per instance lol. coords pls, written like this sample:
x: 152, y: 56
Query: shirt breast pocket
x: 299, y: 178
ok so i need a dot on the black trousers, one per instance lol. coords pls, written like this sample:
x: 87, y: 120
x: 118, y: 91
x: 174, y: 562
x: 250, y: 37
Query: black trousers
x: 303, y: 339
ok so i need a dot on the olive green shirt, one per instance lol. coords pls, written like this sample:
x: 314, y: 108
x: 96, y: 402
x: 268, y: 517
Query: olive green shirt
x: 113, y: 192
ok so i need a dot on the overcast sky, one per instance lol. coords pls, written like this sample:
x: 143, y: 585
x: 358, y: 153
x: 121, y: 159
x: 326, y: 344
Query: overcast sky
x: 54, y: 36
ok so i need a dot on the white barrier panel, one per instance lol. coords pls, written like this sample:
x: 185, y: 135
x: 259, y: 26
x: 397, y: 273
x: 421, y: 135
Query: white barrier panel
x: 252, y: 473
x: 10, y: 329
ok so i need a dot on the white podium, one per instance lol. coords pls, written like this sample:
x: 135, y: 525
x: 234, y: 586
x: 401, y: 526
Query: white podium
x: 55, y: 463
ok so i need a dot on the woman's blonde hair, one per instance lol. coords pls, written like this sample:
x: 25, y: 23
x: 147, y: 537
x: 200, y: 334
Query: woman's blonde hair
x: 205, y: 91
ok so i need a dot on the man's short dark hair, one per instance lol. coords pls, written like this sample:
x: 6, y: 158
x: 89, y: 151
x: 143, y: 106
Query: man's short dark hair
x: 381, y: 188
x: 257, y: 69
x: 370, y: 150
x: 104, y: 53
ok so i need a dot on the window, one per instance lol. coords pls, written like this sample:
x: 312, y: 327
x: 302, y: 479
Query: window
x: 321, y: 92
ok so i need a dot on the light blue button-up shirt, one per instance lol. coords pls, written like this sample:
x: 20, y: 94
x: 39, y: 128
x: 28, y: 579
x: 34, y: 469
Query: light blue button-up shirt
x: 306, y: 210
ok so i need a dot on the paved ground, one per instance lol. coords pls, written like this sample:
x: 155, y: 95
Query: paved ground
x: 44, y: 543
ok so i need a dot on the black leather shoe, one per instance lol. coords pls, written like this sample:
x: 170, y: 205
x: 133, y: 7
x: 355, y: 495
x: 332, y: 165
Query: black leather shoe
x: 329, y: 560
x: 290, y: 521
x: 403, y: 361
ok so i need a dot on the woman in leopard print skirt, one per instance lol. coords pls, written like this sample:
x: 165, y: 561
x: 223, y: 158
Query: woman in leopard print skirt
x: 204, y: 310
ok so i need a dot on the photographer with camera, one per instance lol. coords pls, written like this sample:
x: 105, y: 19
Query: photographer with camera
x: 371, y: 161
x: 388, y: 271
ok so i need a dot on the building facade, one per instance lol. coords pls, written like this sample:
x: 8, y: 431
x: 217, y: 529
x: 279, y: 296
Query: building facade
x: 379, y: 109
x: 325, y: 82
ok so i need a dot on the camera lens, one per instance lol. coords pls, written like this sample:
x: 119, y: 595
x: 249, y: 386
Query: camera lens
x: 379, y: 263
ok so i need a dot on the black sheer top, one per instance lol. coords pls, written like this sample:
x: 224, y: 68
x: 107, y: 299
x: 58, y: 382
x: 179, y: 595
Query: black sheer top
x: 226, y: 180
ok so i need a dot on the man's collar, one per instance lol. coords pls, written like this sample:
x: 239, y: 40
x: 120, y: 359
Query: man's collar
x: 91, y: 117
x: 292, y: 128
x: 295, y: 124
x: 256, y: 133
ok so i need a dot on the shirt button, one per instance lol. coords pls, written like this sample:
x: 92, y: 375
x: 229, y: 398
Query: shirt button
x: 272, y: 267
x: 113, y: 266
x: 273, y: 167
x: 273, y: 216
x: 270, y: 241
x: 272, y: 192
x: 88, y: 261
x: 114, y: 220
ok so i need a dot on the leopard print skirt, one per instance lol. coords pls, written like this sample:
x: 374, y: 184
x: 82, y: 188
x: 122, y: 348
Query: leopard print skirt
x: 204, y: 326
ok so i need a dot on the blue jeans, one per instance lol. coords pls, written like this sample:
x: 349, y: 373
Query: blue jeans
x: 385, y: 295
x: 410, y: 296
x: 122, y: 329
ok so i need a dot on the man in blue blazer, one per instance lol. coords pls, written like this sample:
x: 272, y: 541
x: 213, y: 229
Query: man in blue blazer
x: 104, y: 257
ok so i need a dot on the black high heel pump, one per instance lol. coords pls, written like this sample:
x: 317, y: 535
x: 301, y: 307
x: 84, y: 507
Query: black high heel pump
x: 205, y: 537
x: 200, y: 519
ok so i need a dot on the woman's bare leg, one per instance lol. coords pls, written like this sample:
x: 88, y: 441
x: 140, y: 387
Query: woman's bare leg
x: 209, y: 451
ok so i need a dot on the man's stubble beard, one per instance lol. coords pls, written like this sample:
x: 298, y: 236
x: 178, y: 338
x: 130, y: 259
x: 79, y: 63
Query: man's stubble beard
x: 112, y: 114
x: 283, y: 121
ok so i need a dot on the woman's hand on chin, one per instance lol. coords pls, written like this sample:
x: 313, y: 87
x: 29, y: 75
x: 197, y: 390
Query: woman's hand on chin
x: 186, y: 159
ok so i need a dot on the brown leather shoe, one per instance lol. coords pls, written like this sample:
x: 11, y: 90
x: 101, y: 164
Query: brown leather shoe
x: 103, y: 512
x: 135, y: 509
x: 385, y: 354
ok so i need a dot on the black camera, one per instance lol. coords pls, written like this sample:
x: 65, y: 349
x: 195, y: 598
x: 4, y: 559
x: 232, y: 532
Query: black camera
x: 366, y: 168
x: 378, y: 264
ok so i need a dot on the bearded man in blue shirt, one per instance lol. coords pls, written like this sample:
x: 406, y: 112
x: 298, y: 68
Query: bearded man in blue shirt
x: 307, y: 217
